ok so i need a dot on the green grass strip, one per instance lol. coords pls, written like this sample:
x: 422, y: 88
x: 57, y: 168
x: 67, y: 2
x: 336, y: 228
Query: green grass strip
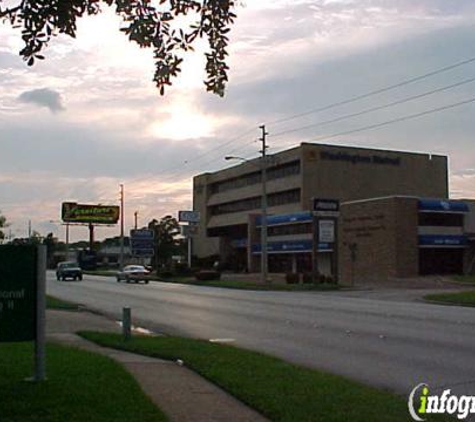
x: 55, y: 303
x: 81, y: 387
x: 279, y: 390
x: 460, y: 298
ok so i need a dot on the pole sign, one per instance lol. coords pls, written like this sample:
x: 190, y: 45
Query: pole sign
x: 189, y: 230
x: 18, y: 275
x: 189, y: 216
x: 90, y: 214
x: 326, y: 231
x: 141, y: 242
x: 326, y: 207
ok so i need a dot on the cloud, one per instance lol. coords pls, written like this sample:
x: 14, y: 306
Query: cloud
x: 43, y: 97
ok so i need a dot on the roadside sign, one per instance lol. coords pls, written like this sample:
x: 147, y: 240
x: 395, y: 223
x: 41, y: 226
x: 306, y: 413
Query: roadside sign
x: 189, y: 230
x: 326, y: 207
x: 141, y: 242
x: 18, y: 295
x: 189, y: 216
x: 326, y: 231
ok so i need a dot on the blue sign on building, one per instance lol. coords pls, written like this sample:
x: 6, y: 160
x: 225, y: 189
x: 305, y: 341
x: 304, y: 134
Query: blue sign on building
x: 442, y: 205
x: 291, y: 247
x: 435, y: 240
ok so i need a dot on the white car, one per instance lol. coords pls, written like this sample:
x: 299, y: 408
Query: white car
x: 133, y: 273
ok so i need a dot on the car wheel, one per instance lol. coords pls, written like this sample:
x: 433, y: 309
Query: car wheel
x: 64, y: 278
x: 146, y: 281
x: 58, y: 277
x: 80, y: 277
x: 118, y: 279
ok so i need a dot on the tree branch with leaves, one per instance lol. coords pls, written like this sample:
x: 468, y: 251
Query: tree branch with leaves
x: 151, y: 24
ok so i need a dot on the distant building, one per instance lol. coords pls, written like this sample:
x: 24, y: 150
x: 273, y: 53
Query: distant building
x: 229, y: 202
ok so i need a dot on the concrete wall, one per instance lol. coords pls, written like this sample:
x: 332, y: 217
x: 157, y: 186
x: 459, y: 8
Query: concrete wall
x: 328, y: 172
x: 385, y: 234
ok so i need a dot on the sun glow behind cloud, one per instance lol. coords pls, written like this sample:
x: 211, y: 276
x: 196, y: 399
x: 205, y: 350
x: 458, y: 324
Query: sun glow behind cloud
x: 286, y: 57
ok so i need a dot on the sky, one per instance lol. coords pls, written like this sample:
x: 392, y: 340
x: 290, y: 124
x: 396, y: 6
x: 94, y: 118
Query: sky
x: 89, y: 118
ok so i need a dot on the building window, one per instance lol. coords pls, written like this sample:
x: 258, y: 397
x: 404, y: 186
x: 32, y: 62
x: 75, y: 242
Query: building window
x: 288, y: 229
x: 248, y: 204
x: 277, y: 172
x: 440, y: 219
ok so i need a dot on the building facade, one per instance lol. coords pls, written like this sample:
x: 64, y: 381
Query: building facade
x: 229, y: 200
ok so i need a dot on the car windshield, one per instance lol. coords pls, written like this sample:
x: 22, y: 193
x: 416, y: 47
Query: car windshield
x: 68, y: 265
x: 134, y: 268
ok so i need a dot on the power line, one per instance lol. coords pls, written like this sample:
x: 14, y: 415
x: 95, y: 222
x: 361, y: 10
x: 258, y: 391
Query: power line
x: 397, y: 120
x: 371, y: 93
x: 370, y: 110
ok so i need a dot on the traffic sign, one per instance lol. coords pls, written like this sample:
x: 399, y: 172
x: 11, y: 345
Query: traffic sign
x: 189, y: 216
x: 141, y: 242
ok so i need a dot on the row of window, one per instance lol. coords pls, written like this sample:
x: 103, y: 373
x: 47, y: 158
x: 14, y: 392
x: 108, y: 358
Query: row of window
x: 288, y: 229
x: 273, y: 200
x: 285, y: 170
x: 440, y: 219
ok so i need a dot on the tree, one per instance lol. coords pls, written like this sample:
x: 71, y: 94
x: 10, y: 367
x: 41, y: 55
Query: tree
x: 159, y: 28
x: 166, y: 243
x: 3, y: 224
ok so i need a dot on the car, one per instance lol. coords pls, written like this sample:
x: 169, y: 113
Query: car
x: 68, y: 269
x: 133, y: 273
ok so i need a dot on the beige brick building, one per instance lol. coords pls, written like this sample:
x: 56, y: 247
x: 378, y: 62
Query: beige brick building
x: 228, y: 200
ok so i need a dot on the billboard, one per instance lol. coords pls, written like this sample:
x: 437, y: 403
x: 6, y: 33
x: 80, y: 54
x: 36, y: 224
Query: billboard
x: 72, y: 212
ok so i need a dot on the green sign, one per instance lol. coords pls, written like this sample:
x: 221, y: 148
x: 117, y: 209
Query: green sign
x: 18, y: 276
x: 94, y: 214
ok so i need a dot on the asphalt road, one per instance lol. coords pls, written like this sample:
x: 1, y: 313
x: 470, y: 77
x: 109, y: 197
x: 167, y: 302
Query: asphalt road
x: 393, y: 344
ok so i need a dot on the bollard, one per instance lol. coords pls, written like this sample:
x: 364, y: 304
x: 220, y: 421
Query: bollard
x: 126, y: 323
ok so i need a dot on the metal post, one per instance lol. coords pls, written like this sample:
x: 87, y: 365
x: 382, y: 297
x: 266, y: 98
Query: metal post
x: 126, y: 323
x: 316, y: 239
x: 136, y: 213
x: 121, y: 258
x: 264, y: 207
x: 67, y: 241
x: 40, y: 349
x: 189, y: 251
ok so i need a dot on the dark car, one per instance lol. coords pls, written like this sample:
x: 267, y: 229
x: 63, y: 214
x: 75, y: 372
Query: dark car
x: 133, y: 273
x: 68, y: 269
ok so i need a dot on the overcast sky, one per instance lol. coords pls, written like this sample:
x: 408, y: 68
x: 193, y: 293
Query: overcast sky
x: 89, y: 117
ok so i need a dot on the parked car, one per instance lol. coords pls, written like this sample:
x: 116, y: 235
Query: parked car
x: 133, y: 273
x: 68, y: 269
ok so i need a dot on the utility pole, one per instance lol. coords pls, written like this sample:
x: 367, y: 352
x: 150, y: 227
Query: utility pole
x: 29, y: 229
x: 121, y: 258
x: 264, y: 205
x: 136, y: 213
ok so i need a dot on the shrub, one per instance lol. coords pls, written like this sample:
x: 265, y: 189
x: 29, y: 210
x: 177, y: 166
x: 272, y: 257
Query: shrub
x: 165, y: 274
x: 307, y: 278
x: 208, y: 275
x: 292, y: 278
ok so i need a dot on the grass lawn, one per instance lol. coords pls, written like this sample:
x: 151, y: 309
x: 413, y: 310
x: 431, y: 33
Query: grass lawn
x: 229, y: 284
x: 81, y: 387
x: 460, y: 298
x: 277, y: 389
x: 469, y: 279
x: 243, y: 285
x: 54, y: 303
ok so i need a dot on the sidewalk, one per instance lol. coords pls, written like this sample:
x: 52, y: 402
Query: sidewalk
x: 176, y: 390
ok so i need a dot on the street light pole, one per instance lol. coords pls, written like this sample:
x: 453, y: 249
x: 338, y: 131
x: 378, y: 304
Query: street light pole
x: 264, y: 206
x: 121, y: 257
